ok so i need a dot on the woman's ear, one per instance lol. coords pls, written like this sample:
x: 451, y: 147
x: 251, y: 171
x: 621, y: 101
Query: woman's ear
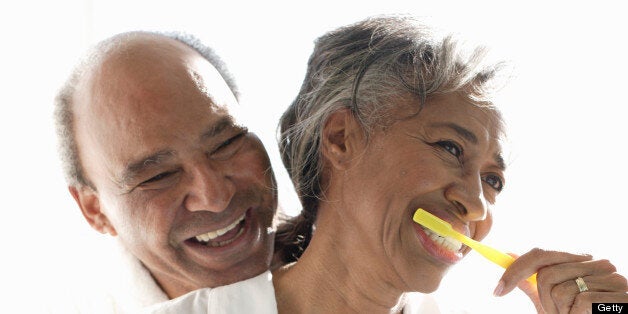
x: 89, y: 202
x: 342, y: 139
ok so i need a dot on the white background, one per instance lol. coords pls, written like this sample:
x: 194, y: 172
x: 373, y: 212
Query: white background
x: 565, y: 109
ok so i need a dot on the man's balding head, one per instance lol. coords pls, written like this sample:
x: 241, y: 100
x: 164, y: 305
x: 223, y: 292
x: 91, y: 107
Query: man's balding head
x: 115, y: 44
x: 160, y: 160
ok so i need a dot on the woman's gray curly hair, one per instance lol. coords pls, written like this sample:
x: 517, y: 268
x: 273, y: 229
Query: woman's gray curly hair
x: 362, y: 67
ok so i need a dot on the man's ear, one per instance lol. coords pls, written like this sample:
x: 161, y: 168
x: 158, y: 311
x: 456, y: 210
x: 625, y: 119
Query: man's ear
x: 89, y: 202
x: 343, y: 138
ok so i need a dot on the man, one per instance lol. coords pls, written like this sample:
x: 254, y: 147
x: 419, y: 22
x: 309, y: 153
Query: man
x: 155, y: 155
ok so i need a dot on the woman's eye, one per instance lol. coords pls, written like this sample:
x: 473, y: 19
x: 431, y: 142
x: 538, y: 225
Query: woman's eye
x: 451, y: 147
x: 495, y: 182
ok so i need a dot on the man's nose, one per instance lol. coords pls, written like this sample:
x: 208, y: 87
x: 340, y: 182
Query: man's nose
x: 209, y: 189
x: 467, y: 195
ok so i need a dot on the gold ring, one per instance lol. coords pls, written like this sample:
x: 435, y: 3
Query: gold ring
x: 581, y: 285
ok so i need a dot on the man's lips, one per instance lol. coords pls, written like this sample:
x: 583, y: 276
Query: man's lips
x: 223, y: 236
x: 214, y: 235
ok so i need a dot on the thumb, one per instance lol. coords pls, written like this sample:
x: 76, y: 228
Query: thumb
x: 529, y: 263
x: 527, y: 287
x: 532, y: 292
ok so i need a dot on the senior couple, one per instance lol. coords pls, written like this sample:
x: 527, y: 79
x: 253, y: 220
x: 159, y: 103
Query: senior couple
x: 390, y: 117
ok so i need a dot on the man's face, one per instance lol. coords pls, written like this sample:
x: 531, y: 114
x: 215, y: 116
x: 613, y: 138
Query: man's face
x: 187, y: 189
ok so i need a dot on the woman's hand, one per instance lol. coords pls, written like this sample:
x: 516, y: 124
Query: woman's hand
x: 557, y: 290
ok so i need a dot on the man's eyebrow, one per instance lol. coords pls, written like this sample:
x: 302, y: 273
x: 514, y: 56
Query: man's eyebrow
x: 217, y: 128
x: 134, y: 168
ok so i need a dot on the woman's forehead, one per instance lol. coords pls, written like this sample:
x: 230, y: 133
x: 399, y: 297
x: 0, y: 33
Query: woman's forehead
x: 451, y: 107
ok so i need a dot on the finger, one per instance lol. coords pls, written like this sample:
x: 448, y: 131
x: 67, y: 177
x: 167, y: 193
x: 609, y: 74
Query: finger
x: 584, y: 301
x: 557, y: 283
x: 557, y: 286
x: 564, y: 294
x: 606, y: 283
x: 531, y: 291
x: 566, y: 271
x: 529, y: 263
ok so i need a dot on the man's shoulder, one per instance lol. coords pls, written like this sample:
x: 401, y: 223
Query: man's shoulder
x: 110, y: 280
x: 253, y: 295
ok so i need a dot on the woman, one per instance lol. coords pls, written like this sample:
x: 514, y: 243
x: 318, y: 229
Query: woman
x: 390, y: 118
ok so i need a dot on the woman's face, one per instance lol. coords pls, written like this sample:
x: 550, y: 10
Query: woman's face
x: 446, y: 160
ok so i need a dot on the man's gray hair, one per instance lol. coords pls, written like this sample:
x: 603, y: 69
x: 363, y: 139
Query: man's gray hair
x: 364, y: 67
x: 63, y: 114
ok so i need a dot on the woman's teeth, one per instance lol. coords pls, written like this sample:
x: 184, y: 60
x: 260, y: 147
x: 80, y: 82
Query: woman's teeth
x: 215, y: 234
x: 446, y: 242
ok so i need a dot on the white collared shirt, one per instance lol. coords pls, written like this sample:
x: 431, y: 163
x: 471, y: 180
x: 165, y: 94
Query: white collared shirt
x: 253, y: 295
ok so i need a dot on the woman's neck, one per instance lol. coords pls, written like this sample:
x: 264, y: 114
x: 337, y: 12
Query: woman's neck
x: 333, y: 277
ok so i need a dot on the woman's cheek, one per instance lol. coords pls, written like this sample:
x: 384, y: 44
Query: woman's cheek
x: 482, y: 228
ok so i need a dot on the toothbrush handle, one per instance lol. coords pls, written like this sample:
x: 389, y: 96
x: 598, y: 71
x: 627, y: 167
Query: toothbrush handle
x: 494, y: 255
x: 502, y: 259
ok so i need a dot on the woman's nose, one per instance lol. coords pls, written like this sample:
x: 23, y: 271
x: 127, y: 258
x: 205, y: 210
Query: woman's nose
x: 467, y: 195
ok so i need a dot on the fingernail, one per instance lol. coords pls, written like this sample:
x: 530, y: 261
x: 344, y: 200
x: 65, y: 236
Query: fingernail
x: 499, y: 289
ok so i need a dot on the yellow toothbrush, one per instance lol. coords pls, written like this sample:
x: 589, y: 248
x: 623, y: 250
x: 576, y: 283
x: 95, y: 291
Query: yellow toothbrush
x: 444, y: 229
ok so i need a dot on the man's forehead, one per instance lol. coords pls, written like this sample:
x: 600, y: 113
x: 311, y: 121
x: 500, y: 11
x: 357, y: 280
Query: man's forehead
x: 209, y: 82
x: 154, y: 66
x: 146, y: 96
x: 144, y: 62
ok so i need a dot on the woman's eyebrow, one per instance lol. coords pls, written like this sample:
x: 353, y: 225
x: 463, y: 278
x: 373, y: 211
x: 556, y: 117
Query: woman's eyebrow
x: 463, y: 132
x: 499, y: 159
x: 472, y: 138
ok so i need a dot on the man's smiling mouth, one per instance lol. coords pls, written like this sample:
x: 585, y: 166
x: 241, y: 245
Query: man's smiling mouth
x: 224, y: 236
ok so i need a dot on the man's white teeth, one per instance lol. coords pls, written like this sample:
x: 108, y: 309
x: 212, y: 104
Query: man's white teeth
x: 447, y: 242
x: 223, y: 243
x: 215, y: 234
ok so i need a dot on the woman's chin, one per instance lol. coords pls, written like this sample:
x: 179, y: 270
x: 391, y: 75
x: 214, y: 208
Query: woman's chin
x: 428, y: 283
x: 429, y: 287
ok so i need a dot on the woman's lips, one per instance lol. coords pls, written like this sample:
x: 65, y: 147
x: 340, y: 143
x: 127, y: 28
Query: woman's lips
x: 444, y: 249
x: 446, y: 242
